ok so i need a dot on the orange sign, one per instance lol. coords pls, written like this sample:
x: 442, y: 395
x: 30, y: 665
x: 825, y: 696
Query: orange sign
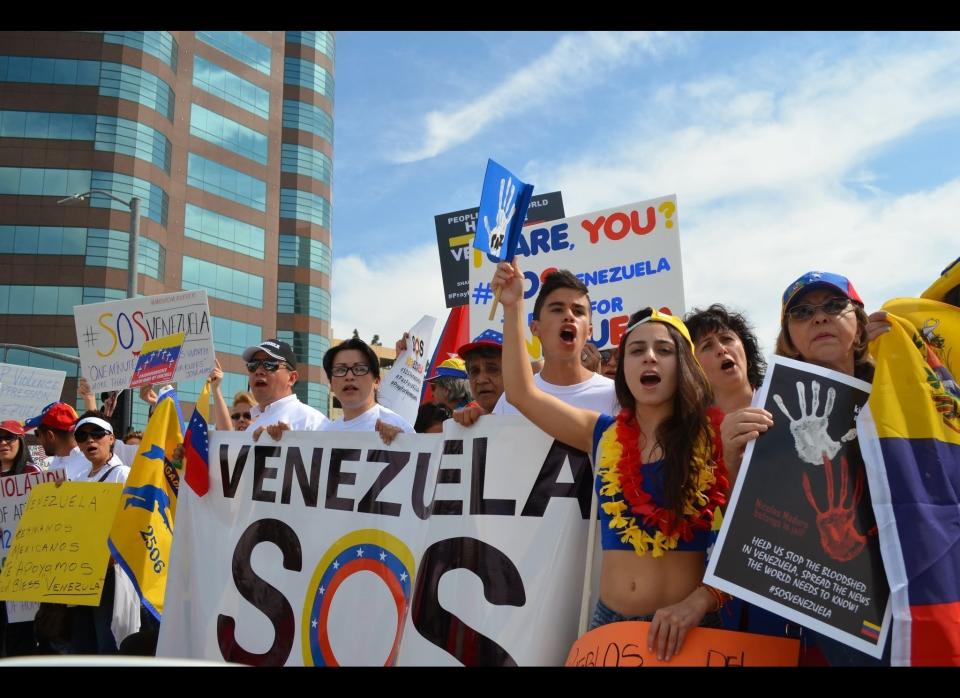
x: 625, y: 645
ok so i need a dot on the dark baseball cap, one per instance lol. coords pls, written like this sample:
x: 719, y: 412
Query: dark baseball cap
x: 275, y: 348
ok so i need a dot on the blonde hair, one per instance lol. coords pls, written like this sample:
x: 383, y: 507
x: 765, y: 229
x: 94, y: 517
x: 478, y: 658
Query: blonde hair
x: 244, y: 396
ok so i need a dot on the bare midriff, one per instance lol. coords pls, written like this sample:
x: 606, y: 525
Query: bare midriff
x: 637, y: 586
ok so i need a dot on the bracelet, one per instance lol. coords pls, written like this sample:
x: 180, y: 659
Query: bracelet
x: 720, y: 597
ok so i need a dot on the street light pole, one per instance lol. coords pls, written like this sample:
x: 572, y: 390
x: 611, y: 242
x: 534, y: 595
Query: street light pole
x: 132, y: 274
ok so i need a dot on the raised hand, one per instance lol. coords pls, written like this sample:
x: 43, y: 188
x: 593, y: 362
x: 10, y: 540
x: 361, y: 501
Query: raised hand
x: 838, y: 535
x: 498, y: 234
x: 508, y: 281
x: 809, y: 430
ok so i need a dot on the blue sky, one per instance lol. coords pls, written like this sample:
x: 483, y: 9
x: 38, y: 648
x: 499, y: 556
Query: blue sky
x: 787, y: 152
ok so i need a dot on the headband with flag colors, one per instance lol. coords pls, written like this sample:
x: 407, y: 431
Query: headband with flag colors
x: 503, y: 209
x: 654, y: 315
x: 196, y: 445
x: 148, y: 506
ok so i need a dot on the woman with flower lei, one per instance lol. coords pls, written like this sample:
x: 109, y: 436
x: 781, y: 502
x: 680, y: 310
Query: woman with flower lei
x: 660, y: 472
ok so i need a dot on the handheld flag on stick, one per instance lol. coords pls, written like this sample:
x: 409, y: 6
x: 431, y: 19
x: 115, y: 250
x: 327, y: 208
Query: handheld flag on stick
x: 196, y: 445
x: 456, y: 332
x: 503, y: 209
x: 142, y: 532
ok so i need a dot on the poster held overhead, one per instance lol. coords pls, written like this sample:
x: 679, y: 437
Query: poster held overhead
x: 401, y: 387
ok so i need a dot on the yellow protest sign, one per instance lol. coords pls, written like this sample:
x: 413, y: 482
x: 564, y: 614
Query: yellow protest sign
x: 59, y: 552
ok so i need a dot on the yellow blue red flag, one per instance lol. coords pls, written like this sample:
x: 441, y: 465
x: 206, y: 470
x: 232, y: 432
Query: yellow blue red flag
x: 196, y: 445
x: 910, y: 439
x: 142, y: 532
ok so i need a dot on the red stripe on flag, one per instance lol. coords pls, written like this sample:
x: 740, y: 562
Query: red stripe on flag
x: 935, y: 634
x: 456, y: 333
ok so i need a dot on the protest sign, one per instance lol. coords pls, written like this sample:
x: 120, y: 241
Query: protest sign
x: 628, y: 257
x: 624, y: 644
x: 455, y: 232
x: 111, y: 336
x: 25, y: 391
x: 59, y: 552
x: 157, y: 362
x: 445, y: 549
x: 14, y: 490
x: 400, y: 388
x: 799, y: 537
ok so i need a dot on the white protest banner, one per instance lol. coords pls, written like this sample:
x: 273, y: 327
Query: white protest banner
x: 400, y: 388
x: 628, y: 257
x: 25, y: 391
x: 14, y: 490
x: 461, y: 548
x: 111, y: 335
x: 800, y: 537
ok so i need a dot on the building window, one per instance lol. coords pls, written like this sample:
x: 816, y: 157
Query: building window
x: 223, y: 231
x: 304, y: 206
x: 34, y: 239
x: 49, y: 71
x: 223, y: 282
x: 35, y: 181
x: 303, y: 299
x: 212, y: 177
x: 49, y: 125
x: 308, y: 117
x: 322, y: 41
x: 299, y: 251
x: 138, y: 140
x: 221, y: 83
x: 238, y: 45
x: 297, y: 71
x: 308, y: 347
x: 314, y: 394
x: 153, y: 200
x: 300, y: 159
x: 233, y: 336
x: 160, y: 45
x: 219, y: 130
x: 136, y: 85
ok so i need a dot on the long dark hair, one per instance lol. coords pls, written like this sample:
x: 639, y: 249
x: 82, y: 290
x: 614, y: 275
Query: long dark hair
x: 717, y: 318
x: 686, y: 432
x: 20, y: 460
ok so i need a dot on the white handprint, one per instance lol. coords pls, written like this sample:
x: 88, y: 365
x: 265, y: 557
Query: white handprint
x: 810, y: 431
x: 499, y: 232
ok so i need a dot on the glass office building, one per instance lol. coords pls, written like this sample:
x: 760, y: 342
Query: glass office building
x: 227, y: 139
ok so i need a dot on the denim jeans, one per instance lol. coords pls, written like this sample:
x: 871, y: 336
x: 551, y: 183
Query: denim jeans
x: 603, y: 614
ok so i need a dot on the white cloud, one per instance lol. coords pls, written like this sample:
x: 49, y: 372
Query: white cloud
x: 387, y: 294
x: 574, y: 60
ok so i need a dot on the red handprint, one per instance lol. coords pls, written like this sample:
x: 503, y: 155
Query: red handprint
x: 838, y: 536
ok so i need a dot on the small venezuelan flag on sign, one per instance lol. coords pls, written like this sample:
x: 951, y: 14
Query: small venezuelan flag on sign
x: 870, y: 630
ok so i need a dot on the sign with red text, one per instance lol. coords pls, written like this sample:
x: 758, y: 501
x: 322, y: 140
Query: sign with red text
x: 625, y: 645
x: 800, y: 536
x: 628, y: 257
x: 25, y: 391
x: 112, y: 336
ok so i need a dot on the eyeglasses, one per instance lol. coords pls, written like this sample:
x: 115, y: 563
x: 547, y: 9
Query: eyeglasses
x: 606, y: 354
x: 8, y: 436
x: 340, y: 370
x: 271, y: 365
x: 238, y: 415
x: 805, y: 311
x: 97, y: 434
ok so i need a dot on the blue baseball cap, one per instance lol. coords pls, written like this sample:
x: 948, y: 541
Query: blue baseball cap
x: 818, y: 279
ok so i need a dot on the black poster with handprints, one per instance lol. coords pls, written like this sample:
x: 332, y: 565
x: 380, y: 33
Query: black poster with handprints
x: 799, y: 536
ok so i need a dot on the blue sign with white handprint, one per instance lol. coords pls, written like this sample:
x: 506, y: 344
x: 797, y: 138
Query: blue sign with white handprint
x: 503, y: 208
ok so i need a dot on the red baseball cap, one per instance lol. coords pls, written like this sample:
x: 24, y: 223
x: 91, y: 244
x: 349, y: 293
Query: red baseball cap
x: 13, y: 426
x: 56, y: 415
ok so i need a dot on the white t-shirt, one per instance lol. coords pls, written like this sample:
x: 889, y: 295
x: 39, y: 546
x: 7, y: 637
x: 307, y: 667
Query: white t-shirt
x: 368, y: 421
x: 126, y: 452
x: 299, y: 416
x: 596, y: 393
x: 118, y: 474
x: 75, y: 463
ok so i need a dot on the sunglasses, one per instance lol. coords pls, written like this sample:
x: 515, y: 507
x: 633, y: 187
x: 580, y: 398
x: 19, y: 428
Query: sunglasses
x: 340, y: 370
x: 805, y: 311
x: 271, y: 365
x: 605, y: 354
x: 244, y: 415
x: 97, y: 434
x: 8, y: 436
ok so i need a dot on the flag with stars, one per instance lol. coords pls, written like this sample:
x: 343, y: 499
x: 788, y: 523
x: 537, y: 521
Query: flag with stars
x: 196, y: 445
x: 142, y: 532
x: 158, y: 360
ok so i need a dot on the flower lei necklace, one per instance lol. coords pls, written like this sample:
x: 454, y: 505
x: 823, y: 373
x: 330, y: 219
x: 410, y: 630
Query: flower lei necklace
x: 619, y: 467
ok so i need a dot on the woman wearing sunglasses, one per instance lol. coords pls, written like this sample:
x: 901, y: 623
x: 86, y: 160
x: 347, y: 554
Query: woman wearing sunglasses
x: 14, y: 457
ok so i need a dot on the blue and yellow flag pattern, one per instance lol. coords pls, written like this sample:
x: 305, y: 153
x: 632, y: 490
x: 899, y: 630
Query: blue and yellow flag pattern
x: 142, y: 533
x: 913, y: 463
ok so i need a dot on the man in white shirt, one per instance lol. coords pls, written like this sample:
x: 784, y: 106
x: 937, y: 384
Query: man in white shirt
x: 273, y: 373
x: 353, y: 370
x: 54, y: 427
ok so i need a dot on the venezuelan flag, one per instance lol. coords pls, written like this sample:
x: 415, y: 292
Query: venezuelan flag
x: 142, y: 532
x: 910, y: 439
x: 196, y: 445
